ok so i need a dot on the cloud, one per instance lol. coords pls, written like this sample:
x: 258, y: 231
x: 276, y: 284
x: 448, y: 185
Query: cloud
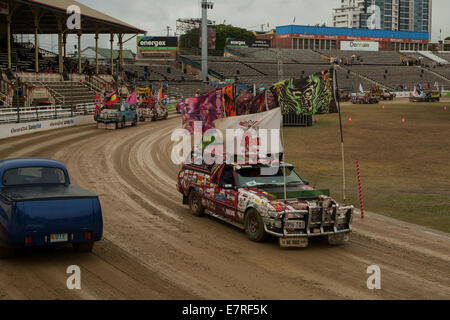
x: 155, y: 16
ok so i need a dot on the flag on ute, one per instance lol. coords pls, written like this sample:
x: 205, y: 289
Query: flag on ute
x: 270, y: 120
x: 111, y: 98
x: 132, y: 98
x: 97, y: 104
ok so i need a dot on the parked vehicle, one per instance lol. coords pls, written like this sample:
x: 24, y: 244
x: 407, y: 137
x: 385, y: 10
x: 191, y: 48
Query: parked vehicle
x: 426, y: 96
x: 117, y: 116
x: 241, y: 195
x: 364, y: 98
x: 40, y: 207
x: 385, y: 94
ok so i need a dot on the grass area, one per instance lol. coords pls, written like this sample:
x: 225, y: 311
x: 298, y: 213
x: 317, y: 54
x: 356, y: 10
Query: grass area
x: 171, y: 106
x: 405, y: 168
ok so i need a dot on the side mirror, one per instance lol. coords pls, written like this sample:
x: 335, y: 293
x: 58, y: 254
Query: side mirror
x: 306, y: 182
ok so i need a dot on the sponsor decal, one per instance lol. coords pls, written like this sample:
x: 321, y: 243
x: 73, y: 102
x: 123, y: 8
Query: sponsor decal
x: 26, y: 128
x: 157, y: 43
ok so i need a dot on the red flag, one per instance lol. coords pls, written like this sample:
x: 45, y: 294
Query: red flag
x: 97, y: 105
x: 112, y: 98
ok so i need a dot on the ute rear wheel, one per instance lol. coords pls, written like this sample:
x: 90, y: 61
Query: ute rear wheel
x: 195, y: 204
x: 83, y: 247
x: 254, y: 226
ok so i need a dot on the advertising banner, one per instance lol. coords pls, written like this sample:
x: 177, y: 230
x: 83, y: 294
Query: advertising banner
x: 255, y: 43
x: 157, y: 43
x: 18, y: 129
x: 359, y: 46
x: 211, y: 38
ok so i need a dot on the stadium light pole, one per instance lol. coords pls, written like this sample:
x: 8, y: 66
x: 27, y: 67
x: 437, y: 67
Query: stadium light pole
x: 205, y: 6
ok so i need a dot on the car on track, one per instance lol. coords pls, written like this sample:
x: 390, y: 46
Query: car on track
x: 250, y: 198
x: 117, y: 116
x: 40, y: 207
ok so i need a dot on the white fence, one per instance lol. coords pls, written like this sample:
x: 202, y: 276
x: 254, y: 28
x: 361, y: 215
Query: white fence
x: 39, y: 113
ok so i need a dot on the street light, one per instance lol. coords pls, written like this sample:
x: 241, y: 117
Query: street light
x: 205, y: 6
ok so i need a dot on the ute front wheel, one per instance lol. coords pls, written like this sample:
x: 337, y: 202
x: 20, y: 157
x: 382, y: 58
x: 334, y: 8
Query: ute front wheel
x: 254, y: 226
x: 195, y: 204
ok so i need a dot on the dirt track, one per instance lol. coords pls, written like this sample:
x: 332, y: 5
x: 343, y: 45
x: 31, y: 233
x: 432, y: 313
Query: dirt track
x: 154, y: 249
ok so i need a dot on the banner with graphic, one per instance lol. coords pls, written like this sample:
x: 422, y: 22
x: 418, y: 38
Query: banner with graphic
x: 229, y: 108
x: 269, y: 120
x: 307, y: 96
x: 206, y: 108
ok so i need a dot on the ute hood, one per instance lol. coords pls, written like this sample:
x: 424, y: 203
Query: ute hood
x: 298, y: 197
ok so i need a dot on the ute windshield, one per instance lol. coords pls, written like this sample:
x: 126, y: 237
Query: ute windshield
x: 33, y: 176
x: 253, y: 177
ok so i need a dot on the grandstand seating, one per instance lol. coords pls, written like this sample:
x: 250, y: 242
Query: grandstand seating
x: 286, y: 55
x: 397, y: 76
x: 443, y: 55
x: 377, y: 58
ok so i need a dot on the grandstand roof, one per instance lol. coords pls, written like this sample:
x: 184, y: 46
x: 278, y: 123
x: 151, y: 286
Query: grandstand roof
x: 105, y: 53
x: 91, y: 20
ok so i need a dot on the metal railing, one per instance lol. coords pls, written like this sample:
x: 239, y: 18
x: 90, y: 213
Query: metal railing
x: 39, y: 113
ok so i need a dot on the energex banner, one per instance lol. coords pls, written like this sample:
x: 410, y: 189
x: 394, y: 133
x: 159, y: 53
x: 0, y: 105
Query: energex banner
x: 251, y: 136
x: 157, y: 43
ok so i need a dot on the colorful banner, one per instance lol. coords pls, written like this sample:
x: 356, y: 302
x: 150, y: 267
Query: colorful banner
x: 206, y: 108
x: 229, y: 109
x: 310, y: 95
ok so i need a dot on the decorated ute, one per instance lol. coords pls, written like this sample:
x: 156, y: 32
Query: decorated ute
x: 117, y: 116
x: 247, y: 197
x: 145, y: 103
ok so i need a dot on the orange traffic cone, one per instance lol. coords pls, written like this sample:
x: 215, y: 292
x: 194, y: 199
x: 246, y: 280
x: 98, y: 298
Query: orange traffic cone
x: 403, y: 120
x: 350, y: 120
x: 383, y: 107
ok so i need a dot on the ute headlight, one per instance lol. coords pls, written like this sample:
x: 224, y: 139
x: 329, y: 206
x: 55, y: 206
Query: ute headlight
x: 342, y: 212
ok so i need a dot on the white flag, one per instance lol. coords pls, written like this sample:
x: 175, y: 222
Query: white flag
x: 261, y: 128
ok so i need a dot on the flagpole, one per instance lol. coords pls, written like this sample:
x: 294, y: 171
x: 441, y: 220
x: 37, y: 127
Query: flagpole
x: 284, y: 167
x: 335, y: 89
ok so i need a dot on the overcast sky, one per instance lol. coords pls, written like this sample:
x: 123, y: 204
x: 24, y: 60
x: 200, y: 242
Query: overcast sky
x: 155, y: 16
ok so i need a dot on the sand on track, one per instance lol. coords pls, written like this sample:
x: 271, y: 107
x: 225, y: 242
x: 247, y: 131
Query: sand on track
x: 154, y: 249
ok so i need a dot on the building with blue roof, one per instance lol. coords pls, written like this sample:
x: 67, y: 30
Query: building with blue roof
x: 330, y: 38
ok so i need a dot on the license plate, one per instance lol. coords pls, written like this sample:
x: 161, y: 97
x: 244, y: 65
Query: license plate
x: 60, y: 237
x: 291, y: 225
x: 294, y: 242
